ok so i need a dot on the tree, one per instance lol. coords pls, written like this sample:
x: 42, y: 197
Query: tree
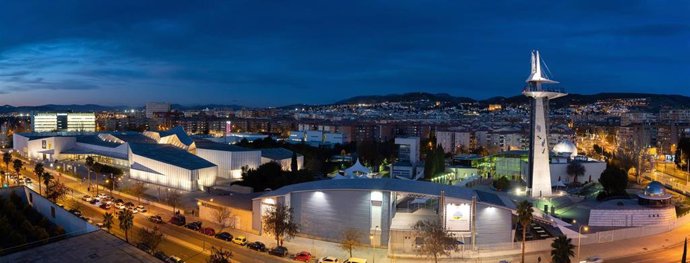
x: 174, y: 200
x: 575, y: 169
x: 89, y: 166
x: 108, y: 221
x: 38, y: 170
x: 55, y: 190
x: 46, y: 177
x: 222, y: 215
x: 350, y: 240
x: 219, y: 255
x: 501, y: 184
x: 138, y: 190
x: 614, y: 180
x: 436, y: 241
x: 562, y: 250
x: 126, y: 219
x: 524, y: 215
x: 150, y: 238
x: 293, y: 162
x: 17, y: 165
x: 6, y: 158
x: 278, y: 221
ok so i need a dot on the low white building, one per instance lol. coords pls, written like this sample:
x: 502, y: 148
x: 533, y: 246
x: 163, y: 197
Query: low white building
x: 230, y: 159
x: 170, y: 166
x: 281, y: 156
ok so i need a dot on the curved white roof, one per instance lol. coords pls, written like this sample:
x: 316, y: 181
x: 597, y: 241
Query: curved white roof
x: 565, y: 147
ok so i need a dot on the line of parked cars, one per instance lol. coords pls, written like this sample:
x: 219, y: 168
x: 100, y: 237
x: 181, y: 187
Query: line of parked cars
x: 106, y: 202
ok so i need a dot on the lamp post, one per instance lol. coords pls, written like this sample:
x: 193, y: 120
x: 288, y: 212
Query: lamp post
x: 579, y: 236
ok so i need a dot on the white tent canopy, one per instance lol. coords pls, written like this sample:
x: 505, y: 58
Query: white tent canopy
x: 357, y: 170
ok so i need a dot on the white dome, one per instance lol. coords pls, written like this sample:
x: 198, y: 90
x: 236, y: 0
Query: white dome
x: 565, y: 147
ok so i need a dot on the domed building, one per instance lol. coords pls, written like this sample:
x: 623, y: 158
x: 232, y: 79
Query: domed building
x: 565, y: 148
x: 654, y: 194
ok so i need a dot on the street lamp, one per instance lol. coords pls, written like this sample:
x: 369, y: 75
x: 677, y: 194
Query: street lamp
x: 579, y: 236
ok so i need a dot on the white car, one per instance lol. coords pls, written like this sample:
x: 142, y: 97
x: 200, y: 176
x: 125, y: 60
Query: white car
x: 593, y: 259
x: 141, y: 208
x: 328, y: 260
x: 120, y: 206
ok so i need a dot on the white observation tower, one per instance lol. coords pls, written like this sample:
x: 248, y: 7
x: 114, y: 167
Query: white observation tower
x: 539, y: 173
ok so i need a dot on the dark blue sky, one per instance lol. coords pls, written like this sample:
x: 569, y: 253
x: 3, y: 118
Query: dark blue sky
x: 269, y: 53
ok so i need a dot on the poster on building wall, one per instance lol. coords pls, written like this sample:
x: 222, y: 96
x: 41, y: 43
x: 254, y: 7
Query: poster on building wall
x: 458, y: 217
x: 43, y: 144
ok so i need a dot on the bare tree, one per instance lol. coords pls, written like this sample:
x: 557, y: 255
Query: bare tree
x: 436, y: 241
x: 350, y: 240
x: 279, y: 222
x: 219, y: 255
x: 138, y: 190
x: 222, y: 215
x: 150, y: 238
x: 174, y: 199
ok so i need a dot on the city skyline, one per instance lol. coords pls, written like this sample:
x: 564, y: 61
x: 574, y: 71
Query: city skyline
x: 316, y: 53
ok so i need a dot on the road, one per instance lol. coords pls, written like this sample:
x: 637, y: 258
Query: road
x: 189, y: 245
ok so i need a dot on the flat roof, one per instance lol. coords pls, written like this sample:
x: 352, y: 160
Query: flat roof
x: 95, y: 140
x: 171, y: 155
x: 397, y: 185
x: 277, y: 153
x: 97, y: 246
x: 209, y: 145
x: 234, y: 200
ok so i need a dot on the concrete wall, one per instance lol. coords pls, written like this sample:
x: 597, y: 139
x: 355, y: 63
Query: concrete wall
x: 57, y: 144
x: 239, y: 219
x: 494, y: 225
x: 326, y: 215
x: 72, y: 224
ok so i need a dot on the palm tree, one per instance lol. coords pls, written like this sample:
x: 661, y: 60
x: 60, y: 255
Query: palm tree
x: 89, y: 164
x: 562, y: 250
x: 17, y: 165
x: 524, y: 214
x: 38, y: 170
x: 575, y: 169
x: 6, y: 158
x: 126, y: 221
x: 108, y: 221
x: 47, y: 177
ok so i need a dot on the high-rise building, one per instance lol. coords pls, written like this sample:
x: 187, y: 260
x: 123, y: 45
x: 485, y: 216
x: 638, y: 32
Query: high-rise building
x: 70, y: 122
x: 156, y: 107
x: 539, y: 179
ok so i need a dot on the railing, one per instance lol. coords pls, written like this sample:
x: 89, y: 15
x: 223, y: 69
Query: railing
x: 544, y: 89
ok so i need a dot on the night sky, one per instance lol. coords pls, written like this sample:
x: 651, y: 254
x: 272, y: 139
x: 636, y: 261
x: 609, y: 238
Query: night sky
x: 272, y: 53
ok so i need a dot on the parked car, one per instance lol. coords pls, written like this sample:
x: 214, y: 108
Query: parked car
x: 86, y: 198
x: 207, y: 231
x: 194, y: 225
x: 278, y: 251
x: 258, y: 246
x: 240, y: 240
x: 27, y: 181
x: 130, y: 205
x: 355, y: 260
x: 160, y: 255
x: 303, y: 256
x: 224, y: 236
x: 141, y: 209
x: 119, y: 206
x: 76, y: 212
x: 178, y: 220
x: 174, y: 259
x: 134, y: 211
x: 593, y: 259
x: 328, y: 260
x: 105, y: 206
x: 156, y: 219
x: 119, y: 201
x: 94, y: 201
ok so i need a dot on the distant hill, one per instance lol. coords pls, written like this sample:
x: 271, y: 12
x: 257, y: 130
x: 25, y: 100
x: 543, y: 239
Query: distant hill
x: 655, y: 101
x: 60, y: 108
x: 407, y: 97
x: 205, y: 106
